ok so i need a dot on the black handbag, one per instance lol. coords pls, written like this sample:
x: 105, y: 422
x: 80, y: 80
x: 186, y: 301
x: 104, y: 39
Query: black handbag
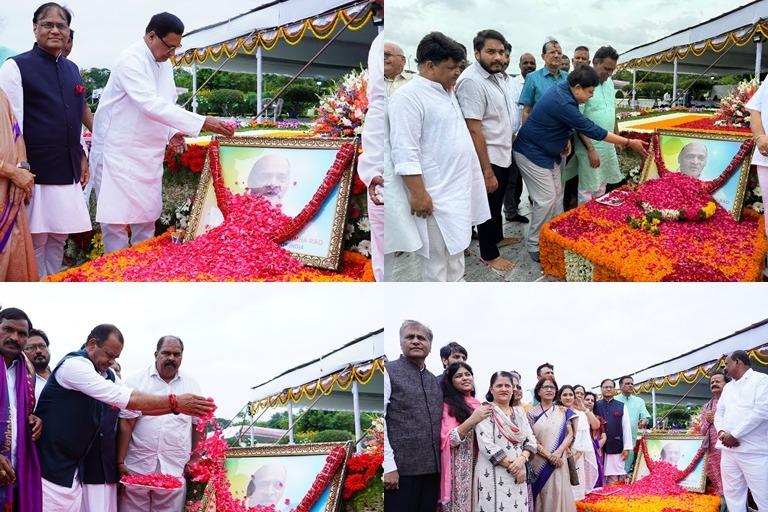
x: 572, y: 470
x: 530, y: 474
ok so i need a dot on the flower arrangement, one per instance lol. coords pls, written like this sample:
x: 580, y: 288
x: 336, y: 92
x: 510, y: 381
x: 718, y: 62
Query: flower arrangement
x: 341, y: 113
x: 733, y: 111
x: 357, y: 237
x: 363, y: 488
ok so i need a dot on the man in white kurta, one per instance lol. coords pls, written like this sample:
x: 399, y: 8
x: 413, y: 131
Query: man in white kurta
x: 433, y: 153
x: 158, y: 444
x: 137, y: 117
x: 371, y: 164
x: 741, y: 420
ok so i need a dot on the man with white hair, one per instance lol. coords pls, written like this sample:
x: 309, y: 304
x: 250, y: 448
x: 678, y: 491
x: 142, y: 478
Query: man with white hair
x: 269, y: 177
x: 394, y: 64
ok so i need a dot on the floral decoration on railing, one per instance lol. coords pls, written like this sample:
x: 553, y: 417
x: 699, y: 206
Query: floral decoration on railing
x: 733, y: 111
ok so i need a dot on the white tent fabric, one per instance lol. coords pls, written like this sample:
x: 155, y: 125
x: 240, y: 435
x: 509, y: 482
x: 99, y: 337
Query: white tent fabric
x: 698, y: 48
x: 688, y: 374
x: 288, y: 33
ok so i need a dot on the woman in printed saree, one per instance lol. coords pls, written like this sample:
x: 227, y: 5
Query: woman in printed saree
x: 554, y: 434
x: 461, y: 412
x: 505, y: 443
x: 17, y: 255
x: 598, y: 436
x: 582, y: 448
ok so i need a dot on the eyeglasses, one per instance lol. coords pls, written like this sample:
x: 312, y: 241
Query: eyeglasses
x: 170, y: 47
x: 549, y: 388
x: 388, y: 55
x: 35, y: 347
x: 62, y: 27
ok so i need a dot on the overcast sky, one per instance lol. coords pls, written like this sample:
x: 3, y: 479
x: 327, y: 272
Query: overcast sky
x: 103, y: 29
x: 236, y: 336
x: 588, y: 331
x: 528, y: 23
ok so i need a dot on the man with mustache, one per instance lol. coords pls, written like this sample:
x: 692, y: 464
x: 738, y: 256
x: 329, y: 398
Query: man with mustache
x: 716, y: 384
x: 158, y: 444
x: 38, y: 354
x: 19, y: 467
x: 741, y: 421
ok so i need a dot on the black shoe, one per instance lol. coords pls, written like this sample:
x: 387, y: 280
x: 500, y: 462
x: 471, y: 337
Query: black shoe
x: 518, y: 218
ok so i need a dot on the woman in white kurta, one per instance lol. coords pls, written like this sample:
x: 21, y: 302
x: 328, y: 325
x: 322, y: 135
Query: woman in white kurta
x: 505, y: 443
x: 581, y: 449
x: 137, y: 117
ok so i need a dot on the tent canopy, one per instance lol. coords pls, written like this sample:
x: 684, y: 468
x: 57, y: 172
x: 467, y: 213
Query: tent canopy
x: 688, y: 374
x: 699, y: 48
x: 331, y: 377
x: 289, y: 33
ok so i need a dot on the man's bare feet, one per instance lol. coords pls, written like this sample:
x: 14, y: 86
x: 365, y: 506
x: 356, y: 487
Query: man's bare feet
x: 508, y: 241
x: 500, y: 263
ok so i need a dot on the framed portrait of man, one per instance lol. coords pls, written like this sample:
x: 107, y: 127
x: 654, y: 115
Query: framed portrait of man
x: 678, y: 450
x: 703, y: 155
x: 287, y: 171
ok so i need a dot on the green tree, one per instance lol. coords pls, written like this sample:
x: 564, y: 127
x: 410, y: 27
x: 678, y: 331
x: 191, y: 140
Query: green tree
x: 94, y: 78
x: 226, y: 101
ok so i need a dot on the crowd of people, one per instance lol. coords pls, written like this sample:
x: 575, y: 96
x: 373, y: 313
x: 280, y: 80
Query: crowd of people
x: 504, y: 131
x: 73, y: 429
x: 45, y: 164
x: 452, y: 444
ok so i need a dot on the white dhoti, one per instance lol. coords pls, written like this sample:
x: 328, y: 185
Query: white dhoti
x: 57, y: 498
x: 99, y: 498
x: 440, y: 266
x: 613, y: 465
x: 142, y: 500
x: 740, y: 471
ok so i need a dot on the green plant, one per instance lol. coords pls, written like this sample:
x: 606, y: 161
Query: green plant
x: 327, y: 436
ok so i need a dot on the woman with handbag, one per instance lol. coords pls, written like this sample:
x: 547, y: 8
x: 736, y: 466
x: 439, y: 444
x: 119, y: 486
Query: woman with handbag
x: 458, y: 450
x: 582, y: 450
x: 505, y: 445
x: 598, y: 437
x: 552, y: 490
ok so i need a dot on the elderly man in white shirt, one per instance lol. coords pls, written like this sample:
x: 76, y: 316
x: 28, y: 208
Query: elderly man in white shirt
x: 69, y: 407
x: 137, y: 117
x: 433, y: 154
x: 158, y: 444
x: 741, y: 421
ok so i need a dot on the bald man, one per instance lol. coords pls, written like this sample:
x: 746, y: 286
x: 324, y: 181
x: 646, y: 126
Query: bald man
x: 692, y: 159
x: 269, y: 177
x: 394, y: 63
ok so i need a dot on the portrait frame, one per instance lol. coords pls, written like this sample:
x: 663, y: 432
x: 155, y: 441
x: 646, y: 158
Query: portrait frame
x: 320, y: 243
x: 721, y: 149
x: 306, y: 460
x: 696, y: 481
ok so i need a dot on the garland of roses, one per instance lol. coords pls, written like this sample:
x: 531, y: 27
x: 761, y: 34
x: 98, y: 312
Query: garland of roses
x: 685, y: 472
x: 296, y: 224
x: 712, y: 185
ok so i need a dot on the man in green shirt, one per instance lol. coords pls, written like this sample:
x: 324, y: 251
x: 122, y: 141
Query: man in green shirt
x: 638, y: 413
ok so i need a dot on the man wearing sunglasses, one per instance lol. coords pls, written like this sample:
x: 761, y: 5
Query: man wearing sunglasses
x: 137, y: 117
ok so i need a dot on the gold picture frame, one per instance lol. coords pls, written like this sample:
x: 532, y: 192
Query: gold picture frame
x: 286, y: 473
x: 662, y: 447
x: 721, y: 149
x: 320, y: 243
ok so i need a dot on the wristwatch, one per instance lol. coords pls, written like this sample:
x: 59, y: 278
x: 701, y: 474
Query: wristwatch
x: 23, y: 165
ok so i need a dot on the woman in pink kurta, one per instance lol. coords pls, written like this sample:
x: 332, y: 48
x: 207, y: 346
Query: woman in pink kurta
x: 461, y: 412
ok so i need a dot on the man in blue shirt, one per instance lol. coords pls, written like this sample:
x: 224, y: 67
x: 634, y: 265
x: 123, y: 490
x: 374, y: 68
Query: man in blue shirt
x: 539, y: 82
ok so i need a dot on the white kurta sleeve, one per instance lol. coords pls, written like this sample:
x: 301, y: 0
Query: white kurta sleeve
x: 372, y: 160
x: 626, y: 430
x: 758, y: 413
x: 389, y: 464
x: 406, y: 120
x: 10, y: 83
x: 78, y: 374
x: 142, y: 91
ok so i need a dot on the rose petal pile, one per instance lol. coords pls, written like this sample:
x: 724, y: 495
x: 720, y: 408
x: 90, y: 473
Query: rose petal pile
x: 160, y: 480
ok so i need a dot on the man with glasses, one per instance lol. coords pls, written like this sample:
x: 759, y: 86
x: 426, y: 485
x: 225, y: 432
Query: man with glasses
x: 19, y: 468
x: 71, y: 404
x: 619, y: 434
x: 38, y: 354
x: 539, y: 81
x: 137, y: 117
x: 394, y: 64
